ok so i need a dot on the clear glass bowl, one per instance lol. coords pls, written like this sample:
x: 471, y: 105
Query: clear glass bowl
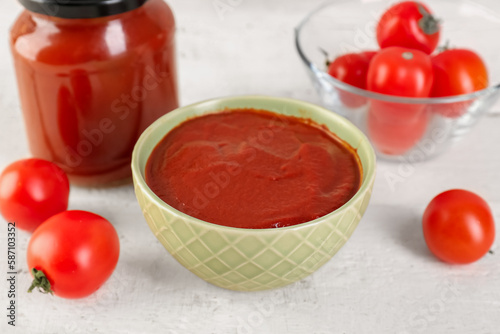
x: 429, y: 125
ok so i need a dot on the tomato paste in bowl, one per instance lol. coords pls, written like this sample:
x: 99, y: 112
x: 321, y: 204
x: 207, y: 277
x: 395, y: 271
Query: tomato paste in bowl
x: 250, y: 168
x: 214, y: 180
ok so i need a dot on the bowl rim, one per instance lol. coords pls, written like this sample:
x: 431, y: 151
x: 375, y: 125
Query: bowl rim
x: 139, y: 181
x: 366, y: 93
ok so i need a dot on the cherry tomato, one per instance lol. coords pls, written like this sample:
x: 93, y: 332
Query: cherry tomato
x: 401, y: 72
x: 31, y: 191
x: 458, y: 226
x: 409, y: 24
x: 396, y: 137
x: 352, y: 68
x: 73, y: 253
x: 457, y: 72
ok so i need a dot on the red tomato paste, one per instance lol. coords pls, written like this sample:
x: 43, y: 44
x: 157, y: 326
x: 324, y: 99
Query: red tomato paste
x: 253, y: 169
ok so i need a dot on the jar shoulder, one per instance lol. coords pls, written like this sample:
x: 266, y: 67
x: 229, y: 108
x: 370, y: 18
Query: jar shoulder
x: 53, y: 40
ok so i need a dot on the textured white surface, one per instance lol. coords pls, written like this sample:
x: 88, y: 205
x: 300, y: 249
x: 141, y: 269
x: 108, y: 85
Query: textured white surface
x: 383, y: 281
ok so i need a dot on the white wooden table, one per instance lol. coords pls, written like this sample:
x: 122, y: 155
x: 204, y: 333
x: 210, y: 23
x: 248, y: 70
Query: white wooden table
x: 383, y: 281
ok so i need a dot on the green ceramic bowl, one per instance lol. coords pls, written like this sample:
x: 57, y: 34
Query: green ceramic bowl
x: 247, y: 259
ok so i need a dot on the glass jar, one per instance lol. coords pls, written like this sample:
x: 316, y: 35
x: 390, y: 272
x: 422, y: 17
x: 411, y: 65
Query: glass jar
x: 92, y: 76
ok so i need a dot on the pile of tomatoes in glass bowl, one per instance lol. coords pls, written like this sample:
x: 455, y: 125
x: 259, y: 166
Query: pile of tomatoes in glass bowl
x: 413, y: 77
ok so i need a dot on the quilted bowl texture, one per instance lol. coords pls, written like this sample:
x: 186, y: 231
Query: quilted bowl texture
x: 248, y: 259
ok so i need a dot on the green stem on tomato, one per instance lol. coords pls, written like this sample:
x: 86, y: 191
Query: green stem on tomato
x: 327, y: 61
x: 445, y: 47
x: 428, y: 23
x: 40, y: 281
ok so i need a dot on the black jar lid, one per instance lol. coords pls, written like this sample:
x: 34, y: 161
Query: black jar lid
x: 81, y: 9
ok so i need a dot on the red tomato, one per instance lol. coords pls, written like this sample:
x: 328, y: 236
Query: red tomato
x: 458, y: 226
x: 352, y: 68
x: 396, y: 137
x: 409, y: 24
x: 32, y: 191
x: 457, y: 72
x: 75, y: 251
x: 400, y: 72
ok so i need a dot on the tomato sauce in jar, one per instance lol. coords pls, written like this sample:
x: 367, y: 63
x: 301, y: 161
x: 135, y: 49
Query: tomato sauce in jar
x: 92, y: 76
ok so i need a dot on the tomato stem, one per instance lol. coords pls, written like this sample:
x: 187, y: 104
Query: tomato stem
x: 445, y: 47
x: 327, y: 61
x: 40, y: 281
x: 491, y: 251
x: 407, y: 55
x: 428, y: 23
